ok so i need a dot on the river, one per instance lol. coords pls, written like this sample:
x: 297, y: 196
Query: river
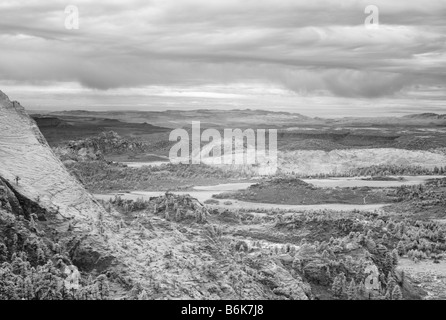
x: 203, y: 193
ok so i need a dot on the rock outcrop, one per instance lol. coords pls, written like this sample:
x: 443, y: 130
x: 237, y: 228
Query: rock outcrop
x: 29, y: 166
x: 95, y: 148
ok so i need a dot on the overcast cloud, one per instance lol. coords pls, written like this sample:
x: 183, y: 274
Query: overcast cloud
x: 286, y: 47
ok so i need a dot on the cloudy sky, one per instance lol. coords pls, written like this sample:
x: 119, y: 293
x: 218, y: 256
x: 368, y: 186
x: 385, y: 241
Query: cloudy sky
x: 315, y: 57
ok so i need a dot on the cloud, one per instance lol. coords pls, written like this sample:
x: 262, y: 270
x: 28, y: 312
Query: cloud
x: 309, y: 47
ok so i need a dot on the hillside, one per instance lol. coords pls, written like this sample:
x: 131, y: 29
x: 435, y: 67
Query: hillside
x: 54, y: 230
x: 60, y: 130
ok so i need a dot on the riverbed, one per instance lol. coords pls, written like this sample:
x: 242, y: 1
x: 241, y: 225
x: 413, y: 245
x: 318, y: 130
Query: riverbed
x: 203, y: 193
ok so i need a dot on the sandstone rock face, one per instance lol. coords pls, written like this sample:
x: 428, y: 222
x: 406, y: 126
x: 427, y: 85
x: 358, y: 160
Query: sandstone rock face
x: 31, y: 168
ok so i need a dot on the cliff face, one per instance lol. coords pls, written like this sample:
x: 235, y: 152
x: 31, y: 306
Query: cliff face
x: 30, y: 167
x: 34, y: 181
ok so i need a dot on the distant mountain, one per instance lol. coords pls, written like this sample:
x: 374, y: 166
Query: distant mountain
x: 247, y: 118
x: 207, y: 117
x: 425, y: 116
x: 49, y: 122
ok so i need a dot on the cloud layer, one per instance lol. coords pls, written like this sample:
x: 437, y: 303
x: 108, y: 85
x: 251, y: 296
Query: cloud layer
x: 308, y: 47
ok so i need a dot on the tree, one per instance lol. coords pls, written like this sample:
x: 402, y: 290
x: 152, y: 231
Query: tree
x: 352, y: 293
x: 41, y: 259
x: 396, y: 293
x: 388, y: 262
x: 391, y: 283
x: 343, y: 281
x: 28, y: 288
x: 14, y: 244
x: 395, y: 257
x: 401, y: 248
x: 325, y: 255
x: 337, y: 288
x: 3, y: 253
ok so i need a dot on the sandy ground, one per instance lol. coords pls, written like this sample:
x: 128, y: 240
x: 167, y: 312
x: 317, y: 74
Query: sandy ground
x: 145, y: 164
x: 225, y: 187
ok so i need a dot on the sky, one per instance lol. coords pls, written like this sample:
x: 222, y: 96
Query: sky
x: 319, y: 57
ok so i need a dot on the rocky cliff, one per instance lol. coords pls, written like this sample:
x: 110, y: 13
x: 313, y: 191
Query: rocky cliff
x: 28, y: 166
